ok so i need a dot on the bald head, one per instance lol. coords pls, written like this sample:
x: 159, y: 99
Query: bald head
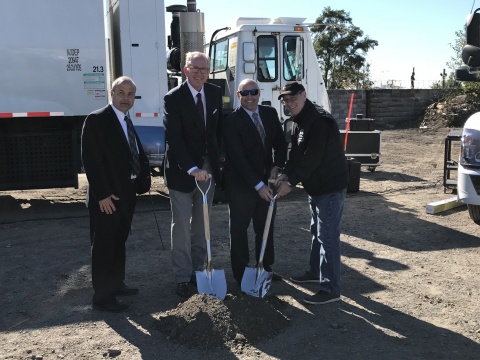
x: 249, y: 94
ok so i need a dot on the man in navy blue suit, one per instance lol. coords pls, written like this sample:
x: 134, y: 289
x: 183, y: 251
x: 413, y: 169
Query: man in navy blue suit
x: 192, y: 115
x: 116, y: 168
x: 256, y: 151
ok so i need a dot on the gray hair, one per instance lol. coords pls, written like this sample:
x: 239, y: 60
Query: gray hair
x: 194, y: 54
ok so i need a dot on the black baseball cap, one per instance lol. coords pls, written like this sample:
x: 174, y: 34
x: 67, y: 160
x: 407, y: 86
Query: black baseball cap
x: 291, y: 89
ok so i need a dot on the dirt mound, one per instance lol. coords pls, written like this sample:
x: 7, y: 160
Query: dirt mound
x: 205, y: 323
x: 450, y: 112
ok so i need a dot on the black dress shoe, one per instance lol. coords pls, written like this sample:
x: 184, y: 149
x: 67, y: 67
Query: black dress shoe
x: 125, y: 290
x: 111, y: 307
x: 183, y: 290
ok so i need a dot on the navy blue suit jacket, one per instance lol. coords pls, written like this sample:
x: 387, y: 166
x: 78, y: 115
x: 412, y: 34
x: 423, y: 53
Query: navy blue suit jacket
x: 248, y: 161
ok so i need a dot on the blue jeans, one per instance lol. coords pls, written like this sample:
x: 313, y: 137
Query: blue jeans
x: 326, y: 211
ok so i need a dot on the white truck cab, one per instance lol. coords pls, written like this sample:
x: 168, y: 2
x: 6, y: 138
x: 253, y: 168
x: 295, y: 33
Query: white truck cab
x: 468, y: 182
x: 271, y: 51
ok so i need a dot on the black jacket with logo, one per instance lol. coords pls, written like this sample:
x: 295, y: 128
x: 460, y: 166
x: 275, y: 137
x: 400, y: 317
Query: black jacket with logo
x: 317, y: 158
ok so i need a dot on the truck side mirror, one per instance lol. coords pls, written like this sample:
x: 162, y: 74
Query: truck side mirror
x: 463, y: 74
x: 471, y: 55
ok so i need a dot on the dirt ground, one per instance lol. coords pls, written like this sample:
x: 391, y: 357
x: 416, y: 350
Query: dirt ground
x: 411, y: 281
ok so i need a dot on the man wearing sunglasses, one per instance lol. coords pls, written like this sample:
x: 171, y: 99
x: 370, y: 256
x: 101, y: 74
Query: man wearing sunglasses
x: 192, y: 115
x: 256, y: 151
x: 317, y: 160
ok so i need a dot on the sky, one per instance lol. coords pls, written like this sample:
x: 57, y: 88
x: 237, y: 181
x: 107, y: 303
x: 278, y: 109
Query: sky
x: 410, y: 33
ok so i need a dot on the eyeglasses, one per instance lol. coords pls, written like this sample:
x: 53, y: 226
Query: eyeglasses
x: 289, y: 101
x: 196, y: 69
x: 252, y: 92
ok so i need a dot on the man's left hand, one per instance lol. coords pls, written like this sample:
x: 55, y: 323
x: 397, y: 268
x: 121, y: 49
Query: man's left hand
x: 283, y: 189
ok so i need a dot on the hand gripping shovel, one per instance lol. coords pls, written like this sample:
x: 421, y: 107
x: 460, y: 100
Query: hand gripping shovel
x: 210, y: 281
x: 256, y: 281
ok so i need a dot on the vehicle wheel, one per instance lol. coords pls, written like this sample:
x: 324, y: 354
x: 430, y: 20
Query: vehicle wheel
x: 474, y: 212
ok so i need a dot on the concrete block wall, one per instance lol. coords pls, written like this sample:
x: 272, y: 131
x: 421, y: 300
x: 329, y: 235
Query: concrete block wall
x: 391, y: 108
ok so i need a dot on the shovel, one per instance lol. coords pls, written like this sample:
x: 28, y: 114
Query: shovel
x: 256, y: 281
x: 210, y: 281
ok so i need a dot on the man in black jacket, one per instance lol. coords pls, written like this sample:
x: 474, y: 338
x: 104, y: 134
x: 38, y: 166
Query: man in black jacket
x: 256, y: 151
x: 317, y: 160
x: 116, y: 166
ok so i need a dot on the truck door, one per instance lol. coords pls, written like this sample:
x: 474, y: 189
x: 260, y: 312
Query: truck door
x: 143, y: 48
x: 279, y: 61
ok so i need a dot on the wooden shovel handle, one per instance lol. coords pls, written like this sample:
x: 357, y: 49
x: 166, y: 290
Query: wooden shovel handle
x: 206, y: 221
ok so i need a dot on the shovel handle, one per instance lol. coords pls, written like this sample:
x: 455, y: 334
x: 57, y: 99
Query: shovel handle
x: 266, y: 230
x: 206, y: 222
x: 204, y: 193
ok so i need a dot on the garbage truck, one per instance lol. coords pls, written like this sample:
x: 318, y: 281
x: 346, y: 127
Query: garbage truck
x: 468, y: 181
x: 59, y: 58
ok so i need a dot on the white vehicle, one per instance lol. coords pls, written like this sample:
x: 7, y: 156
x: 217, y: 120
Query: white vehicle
x: 271, y: 51
x: 59, y: 58
x: 468, y: 182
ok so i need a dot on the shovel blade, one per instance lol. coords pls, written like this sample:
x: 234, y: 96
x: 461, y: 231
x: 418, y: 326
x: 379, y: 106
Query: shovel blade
x: 256, y: 282
x: 213, y: 284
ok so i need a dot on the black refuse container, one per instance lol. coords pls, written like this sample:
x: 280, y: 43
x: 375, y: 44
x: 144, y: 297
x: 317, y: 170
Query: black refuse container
x: 353, y: 175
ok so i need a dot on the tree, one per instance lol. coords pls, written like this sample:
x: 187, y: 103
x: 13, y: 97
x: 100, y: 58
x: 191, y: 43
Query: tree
x: 457, y: 47
x: 470, y: 88
x: 341, y: 50
x: 455, y: 62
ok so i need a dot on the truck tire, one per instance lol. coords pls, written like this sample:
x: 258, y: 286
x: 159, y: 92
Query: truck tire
x: 474, y: 212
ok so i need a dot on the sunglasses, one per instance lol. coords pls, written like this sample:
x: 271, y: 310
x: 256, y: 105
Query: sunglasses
x: 252, y: 92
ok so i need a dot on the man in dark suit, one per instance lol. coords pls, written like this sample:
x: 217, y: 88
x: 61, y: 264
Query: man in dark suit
x: 256, y: 151
x: 192, y: 114
x: 116, y: 165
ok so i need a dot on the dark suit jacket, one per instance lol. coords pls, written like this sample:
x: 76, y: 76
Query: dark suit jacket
x: 106, y: 155
x: 248, y: 161
x: 188, y: 141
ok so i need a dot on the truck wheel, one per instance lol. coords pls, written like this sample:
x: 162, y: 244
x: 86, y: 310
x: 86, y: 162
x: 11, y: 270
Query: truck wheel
x: 474, y: 212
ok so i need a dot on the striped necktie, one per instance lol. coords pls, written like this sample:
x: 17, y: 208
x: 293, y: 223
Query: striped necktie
x: 259, y: 127
x: 200, y: 110
x: 133, y: 146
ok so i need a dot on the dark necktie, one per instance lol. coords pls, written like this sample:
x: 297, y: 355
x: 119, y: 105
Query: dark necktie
x: 259, y: 126
x: 133, y: 146
x: 200, y: 110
